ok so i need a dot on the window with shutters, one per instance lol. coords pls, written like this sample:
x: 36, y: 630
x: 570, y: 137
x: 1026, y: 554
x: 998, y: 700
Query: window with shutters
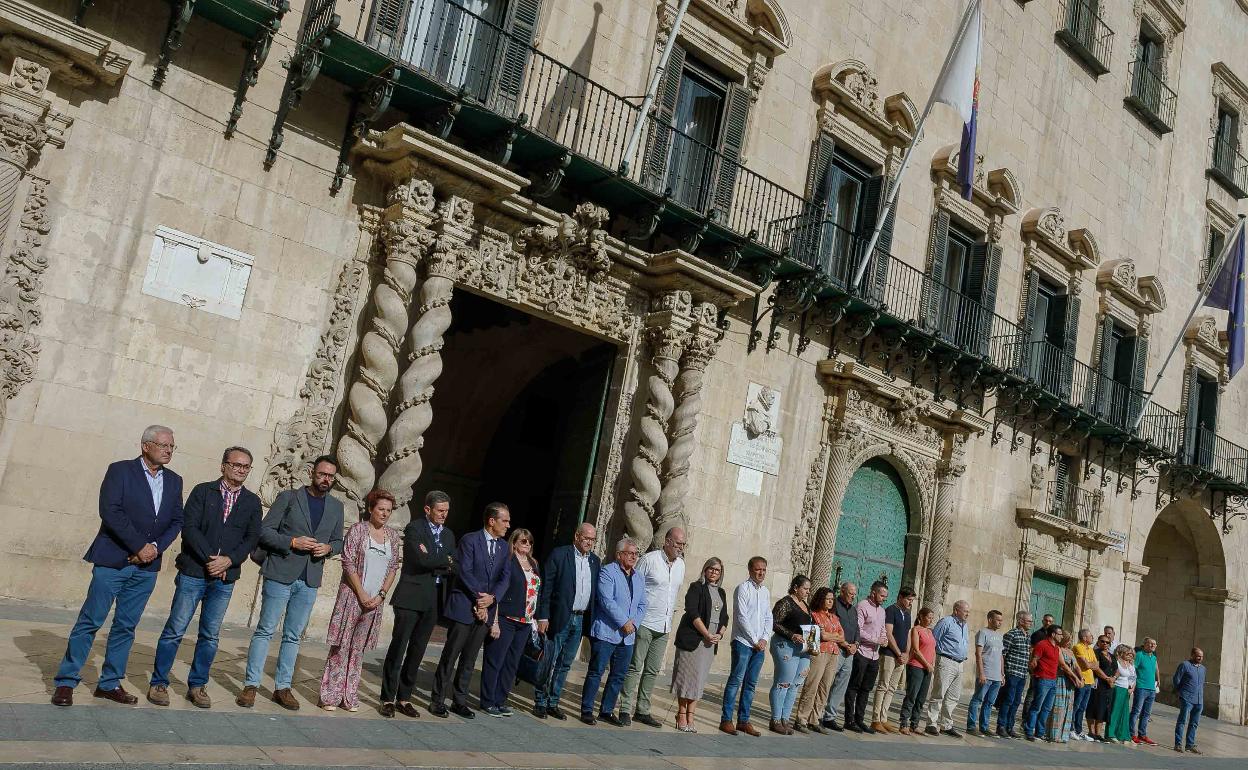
x: 1151, y: 98
x: 1063, y: 495
x: 1200, y: 420
x: 1048, y: 335
x: 1217, y: 241
x: 699, y: 111
x: 1225, y: 140
x: 837, y: 186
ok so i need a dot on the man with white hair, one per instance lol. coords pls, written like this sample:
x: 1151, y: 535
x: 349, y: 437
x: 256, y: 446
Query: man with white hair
x: 663, y: 573
x: 952, y: 640
x: 619, y: 607
x: 140, y: 517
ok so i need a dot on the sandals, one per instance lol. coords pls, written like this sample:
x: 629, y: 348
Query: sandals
x: 687, y: 728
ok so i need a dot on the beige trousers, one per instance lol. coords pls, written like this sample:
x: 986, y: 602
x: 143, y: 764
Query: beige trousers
x: 891, y: 676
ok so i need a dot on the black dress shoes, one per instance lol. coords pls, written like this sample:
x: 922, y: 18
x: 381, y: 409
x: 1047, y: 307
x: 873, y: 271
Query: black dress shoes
x: 407, y: 710
x: 462, y: 711
x: 438, y: 710
x: 387, y: 710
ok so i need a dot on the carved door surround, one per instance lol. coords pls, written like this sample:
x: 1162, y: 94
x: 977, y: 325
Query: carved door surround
x: 869, y: 415
x: 1040, y: 551
x: 453, y: 222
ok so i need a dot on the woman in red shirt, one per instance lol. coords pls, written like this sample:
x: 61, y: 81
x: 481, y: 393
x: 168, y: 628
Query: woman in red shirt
x: 918, y: 670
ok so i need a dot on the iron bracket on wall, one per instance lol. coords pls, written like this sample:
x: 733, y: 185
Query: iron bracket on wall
x: 691, y: 235
x: 498, y: 149
x: 81, y: 13
x: 756, y: 320
x: 550, y: 175
x: 368, y: 104
x: 179, y: 17
x: 647, y: 217
x: 301, y: 72
x: 257, y: 54
x: 441, y: 120
x: 730, y: 257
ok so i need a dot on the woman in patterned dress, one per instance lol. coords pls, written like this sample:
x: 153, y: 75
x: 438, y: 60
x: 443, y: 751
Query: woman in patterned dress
x: 370, y: 562
x: 513, y: 625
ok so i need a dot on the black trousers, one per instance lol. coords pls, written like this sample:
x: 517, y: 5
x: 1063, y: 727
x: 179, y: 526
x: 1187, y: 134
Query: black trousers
x: 918, y: 680
x: 412, y: 629
x: 459, y: 658
x: 861, y: 680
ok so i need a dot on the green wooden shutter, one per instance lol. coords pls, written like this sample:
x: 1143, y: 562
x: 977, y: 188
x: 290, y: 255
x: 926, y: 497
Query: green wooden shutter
x: 1139, y: 369
x: 513, y: 59
x: 1023, y: 353
x: 1071, y: 332
x: 1191, y: 414
x: 659, y: 128
x: 386, y: 24
x: 981, y: 281
x: 1061, y: 486
x: 874, y: 193
x: 1099, y: 399
x: 731, y: 141
x: 806, y: 238
x: 937, y: 250
x: 821, y: 152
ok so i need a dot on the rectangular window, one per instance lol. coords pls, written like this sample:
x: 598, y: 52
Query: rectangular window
x: 1148, y: 50
x: 699, y: 110
x: 1206, y: 419
x: 449, y: 40
x: 958, y: 316
x: 1226, y: 141
x: 1048, y: 335
x: 1217, y: 242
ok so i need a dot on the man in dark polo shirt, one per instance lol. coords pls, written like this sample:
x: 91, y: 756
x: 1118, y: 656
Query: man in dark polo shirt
x: 847, y: 613
x: 897, y: 621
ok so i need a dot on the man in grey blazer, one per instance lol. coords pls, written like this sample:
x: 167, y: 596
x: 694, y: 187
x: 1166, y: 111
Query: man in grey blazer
x: 300, y: 531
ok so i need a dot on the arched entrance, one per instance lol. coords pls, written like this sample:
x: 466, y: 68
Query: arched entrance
x: 871, y: 535
x: 1179, y: 604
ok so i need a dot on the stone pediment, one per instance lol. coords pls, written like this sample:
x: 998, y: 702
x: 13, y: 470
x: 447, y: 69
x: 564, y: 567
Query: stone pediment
x: 1203, y: 334
x: 74, y: 54
x: 997, y: 192
x: 1143, y: 294
x: 848, y: 88
x: 1045, y: 229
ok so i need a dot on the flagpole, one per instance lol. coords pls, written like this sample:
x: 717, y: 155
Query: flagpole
x: 634, y: 137
x: 891, y: 199
x: 1214, y: 270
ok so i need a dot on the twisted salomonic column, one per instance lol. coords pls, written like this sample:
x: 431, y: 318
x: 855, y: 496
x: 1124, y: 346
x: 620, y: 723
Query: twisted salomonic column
x: 847, y: 440
x: 699, y: 351
x: 413, y: 413
x: 936, y: 576
x: 666, y: 343
x: 406, y: 236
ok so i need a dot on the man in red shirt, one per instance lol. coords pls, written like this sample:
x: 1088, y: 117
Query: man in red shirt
x: 1045, y: 657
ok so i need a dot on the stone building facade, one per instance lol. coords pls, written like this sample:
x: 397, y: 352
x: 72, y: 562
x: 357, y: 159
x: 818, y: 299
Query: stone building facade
x: 400, y: 231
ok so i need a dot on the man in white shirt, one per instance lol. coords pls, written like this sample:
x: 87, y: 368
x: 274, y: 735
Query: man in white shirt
x: 664, y: 573
x: 751, y: 630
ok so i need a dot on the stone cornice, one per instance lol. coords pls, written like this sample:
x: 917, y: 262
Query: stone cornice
x: 1215, y: 595
x: 84, y: 56
x: 680, y: 270
x: 1223, y: 72
x: 1134, y: 571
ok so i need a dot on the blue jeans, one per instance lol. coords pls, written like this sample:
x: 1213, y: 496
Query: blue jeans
x: 790, y: 675
x: 294, y: 600
x: 1189, y: 714
x: 130, y: 588
x: 602, y: 653
x: 747, y: 662
x: 1082, y: 696
x: 1141, y: 709
x: 1041, y: 705
x: 188, y: 593
x: 1014, y: 686
x: 981, y: 705
x: 560, y: 652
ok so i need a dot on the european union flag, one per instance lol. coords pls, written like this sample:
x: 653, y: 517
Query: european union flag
x: 1228, y: 291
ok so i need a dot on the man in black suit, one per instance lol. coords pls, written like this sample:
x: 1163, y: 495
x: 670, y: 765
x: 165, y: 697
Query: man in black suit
x: 428, y: 549
x: 565, y: 613
x: 220, y: 528
x: 482, y: 572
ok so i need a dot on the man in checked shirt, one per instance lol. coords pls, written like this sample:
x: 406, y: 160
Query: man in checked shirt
x: 221, y: 527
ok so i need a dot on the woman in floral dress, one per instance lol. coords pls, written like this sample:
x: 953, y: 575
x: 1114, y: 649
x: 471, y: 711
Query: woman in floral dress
x: 370, y: 561
x: 513, y: 625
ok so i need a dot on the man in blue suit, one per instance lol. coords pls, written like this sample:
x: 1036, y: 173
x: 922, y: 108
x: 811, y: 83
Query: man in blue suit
x: 565, y: 610
x: 484, y: 569
x: 140, y: 516
x: 619, y: 606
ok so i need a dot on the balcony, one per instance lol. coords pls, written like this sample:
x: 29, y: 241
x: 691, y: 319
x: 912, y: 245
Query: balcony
x: 1151, y: 98
x: 1086, y: 35
x: 1069, y: 514
x: 1217, y: 461
x: 464, y: 77
x: 1228, y: 167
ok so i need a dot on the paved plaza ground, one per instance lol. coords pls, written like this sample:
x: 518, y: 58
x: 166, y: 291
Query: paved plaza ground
x: 99, y: 734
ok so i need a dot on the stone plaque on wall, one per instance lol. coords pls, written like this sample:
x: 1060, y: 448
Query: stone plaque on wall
x: 755, y: 441
x: 191, y: 271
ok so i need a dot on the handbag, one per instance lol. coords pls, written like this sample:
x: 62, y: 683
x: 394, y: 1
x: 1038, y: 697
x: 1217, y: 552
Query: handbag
x: 535, y: 645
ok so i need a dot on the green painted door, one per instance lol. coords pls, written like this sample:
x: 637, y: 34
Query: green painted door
x: 1048, y: 597
x: 871, y: 537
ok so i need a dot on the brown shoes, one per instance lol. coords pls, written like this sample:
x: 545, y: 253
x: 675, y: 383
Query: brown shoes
x: 158, y: 695
x: 63, y: 696
x: 779, y: 727
x: 286, y: 699
x: 748, y: 729
x: 246, y: 698
x: 724, y: 727
x: 904, y: 730
x: 879, y: 727
x: 199, y: 697
x: 407, y: 709
x: 116, y: 695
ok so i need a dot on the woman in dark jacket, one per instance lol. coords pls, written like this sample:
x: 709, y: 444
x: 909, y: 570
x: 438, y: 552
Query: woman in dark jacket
x: 697, y: 640
x: 513, y: 624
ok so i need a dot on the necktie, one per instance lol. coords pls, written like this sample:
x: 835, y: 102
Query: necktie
x: 490, y: 545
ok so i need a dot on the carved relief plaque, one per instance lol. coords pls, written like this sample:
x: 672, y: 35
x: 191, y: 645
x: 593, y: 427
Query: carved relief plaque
x: 755, y: 441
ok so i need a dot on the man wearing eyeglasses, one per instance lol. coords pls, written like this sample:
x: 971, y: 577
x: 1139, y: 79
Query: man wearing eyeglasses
x: 301, y: 531
x: 663, y: 573
x: 140, y: 516
x: 221, y: 528
x: 619, y: 607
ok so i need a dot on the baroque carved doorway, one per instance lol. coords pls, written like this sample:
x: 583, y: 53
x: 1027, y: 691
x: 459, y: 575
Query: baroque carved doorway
x: 517, y: 415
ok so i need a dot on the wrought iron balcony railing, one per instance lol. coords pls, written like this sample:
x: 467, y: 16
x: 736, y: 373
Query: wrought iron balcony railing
x: 1076, y: 505
x: 1086, y: 35
x: 1223, y: 459
x: 1228, y: 166
x: 471, y: 58
x: 1151, y: 98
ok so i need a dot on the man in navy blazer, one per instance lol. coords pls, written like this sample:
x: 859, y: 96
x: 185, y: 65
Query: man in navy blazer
x: 619, y: 606
x: 481, y: 578
x: 565, y: 609
x: 221, y: 529
x: 140, y: 516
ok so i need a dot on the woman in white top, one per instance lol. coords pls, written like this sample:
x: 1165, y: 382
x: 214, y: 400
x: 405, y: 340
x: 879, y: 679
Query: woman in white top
x: 1119, y: 730
x: 370, y: 562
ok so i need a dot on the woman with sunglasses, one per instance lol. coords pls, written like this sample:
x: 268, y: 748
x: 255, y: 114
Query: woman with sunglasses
x: 1105, y: 670
x: 513, y: 625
